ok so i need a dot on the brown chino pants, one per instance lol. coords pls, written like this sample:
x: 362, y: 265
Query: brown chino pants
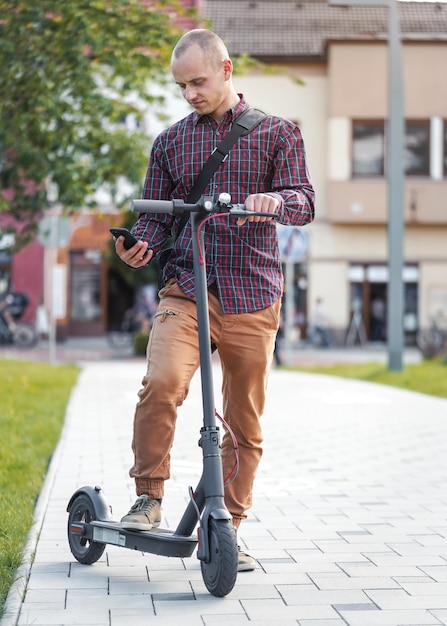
x: 245, y: 343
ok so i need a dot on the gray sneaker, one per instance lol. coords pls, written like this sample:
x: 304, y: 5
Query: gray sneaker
x: 246, y: 563
x: 144, y: 514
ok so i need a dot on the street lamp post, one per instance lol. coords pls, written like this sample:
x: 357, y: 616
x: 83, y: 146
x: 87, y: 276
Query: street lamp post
x: 395, y: 175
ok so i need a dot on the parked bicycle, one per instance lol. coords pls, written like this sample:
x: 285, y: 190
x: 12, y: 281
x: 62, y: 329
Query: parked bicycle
x: 124, y: 337
x: 12, y: 331
x: 432, y: 341
x: 137, y: 319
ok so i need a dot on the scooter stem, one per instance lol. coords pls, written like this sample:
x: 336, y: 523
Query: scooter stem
x: 203, y: 323
x: 209, y: 494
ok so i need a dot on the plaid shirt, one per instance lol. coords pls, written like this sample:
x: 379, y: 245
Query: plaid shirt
x: 243, y: 261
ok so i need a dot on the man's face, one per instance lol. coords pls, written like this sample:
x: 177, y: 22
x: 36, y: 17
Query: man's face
x: 203, y: 83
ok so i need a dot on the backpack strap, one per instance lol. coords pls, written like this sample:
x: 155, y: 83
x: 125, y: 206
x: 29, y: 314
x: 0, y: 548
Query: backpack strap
x: 243, y: 125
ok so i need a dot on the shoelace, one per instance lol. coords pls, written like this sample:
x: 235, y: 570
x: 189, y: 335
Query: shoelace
x: 142, y: 504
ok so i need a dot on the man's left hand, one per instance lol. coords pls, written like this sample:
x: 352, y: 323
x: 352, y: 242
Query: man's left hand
x: 261, y: 202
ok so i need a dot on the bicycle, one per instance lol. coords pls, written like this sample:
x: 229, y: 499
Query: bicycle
x: 125, y: 336
x: 432, y: 341
x: 137, y: 319
x: 13, y: 332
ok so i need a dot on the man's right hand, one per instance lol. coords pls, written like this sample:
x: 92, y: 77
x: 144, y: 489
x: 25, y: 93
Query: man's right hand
x: 137, y: 256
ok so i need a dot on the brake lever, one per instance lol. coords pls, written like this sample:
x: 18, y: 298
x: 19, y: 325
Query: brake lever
x: 239, y: 210
x: 244, y: 213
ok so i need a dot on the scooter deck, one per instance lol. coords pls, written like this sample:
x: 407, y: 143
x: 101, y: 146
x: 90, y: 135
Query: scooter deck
x: 155, y: 541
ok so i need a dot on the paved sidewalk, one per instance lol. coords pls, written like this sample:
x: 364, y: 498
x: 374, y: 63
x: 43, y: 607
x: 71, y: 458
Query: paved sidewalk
x: 349, y: 523
x: 82, y: 349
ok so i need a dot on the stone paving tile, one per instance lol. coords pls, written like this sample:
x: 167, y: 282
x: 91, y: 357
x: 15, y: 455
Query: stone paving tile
x: 166, y: 575
x: 318, y: 622
x: 440, y: 615
x: 46, y: 597
x: 293, y: 595
x: 134, y: 587
x: 403, y: 580
x: 394, y: 571
x: 389, y: 618
x: 400, y: 599
x: 437, y: 572
x: 354, y: 583
x: 93, y: 602
x: 242, y: 620
x: 414, y: 548
x: 135, y: 617
x: 381, y: 559
x: 316, y: 556
x: 55, y: 581
x: 426, y: 589
x: 204, y: 605
x: 340, y: 546
x: 63, y: 618
x: 276, y: 610
x: 253, y: 591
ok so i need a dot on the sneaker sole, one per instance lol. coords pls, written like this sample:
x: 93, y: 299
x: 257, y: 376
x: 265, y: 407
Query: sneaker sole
x: 138, y: 526
x: 246, y: 567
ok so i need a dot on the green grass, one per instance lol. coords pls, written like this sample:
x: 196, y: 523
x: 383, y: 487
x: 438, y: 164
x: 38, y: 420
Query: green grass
x: 428, y: 377
x: 32, y: 409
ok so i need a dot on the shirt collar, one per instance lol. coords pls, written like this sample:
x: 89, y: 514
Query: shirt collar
x: 230, y: 114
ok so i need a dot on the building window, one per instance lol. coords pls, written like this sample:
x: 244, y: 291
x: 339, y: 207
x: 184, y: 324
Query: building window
x: 5, y: 274
x: 368, y: 147
x: 445, y: 148
x: 85, y: 281
x: 417, y: 148
x: 369, y: 284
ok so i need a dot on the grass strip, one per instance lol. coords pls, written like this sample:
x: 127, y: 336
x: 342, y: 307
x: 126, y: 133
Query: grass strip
x: 429, y: 377
x: 34, y: 398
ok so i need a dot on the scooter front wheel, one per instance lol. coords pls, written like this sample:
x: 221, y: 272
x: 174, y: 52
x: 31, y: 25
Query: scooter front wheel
x: 219, y: 575
x: 84, y: 550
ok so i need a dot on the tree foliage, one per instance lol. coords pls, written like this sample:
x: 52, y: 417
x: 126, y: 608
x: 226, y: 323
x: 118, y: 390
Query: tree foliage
x: 70, y: 72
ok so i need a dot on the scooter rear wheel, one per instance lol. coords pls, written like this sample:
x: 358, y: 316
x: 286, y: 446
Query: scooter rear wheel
x: 84, y: 550
x: 219, y: 575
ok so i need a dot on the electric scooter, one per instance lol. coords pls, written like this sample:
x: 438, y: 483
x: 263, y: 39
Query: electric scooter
x: 90, y: 525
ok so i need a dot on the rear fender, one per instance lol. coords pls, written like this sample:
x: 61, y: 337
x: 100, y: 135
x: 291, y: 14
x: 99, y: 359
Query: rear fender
x: 100, y: 506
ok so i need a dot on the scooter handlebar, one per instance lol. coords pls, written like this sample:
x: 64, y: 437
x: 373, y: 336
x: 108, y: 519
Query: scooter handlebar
x: 152, y: 206
x: 179, y: 206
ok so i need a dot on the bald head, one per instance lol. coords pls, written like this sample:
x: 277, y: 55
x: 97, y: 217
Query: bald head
x: 201, y: 67
x: 211, y: 45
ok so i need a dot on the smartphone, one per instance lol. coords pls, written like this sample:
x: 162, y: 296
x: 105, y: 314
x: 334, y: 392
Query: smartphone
x: 129, y: 239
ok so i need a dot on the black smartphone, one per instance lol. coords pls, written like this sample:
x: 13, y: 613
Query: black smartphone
x: 129, y: 239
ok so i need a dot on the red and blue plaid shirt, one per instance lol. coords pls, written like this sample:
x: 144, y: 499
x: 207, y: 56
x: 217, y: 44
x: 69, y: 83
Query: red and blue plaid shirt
x: 243, y: 261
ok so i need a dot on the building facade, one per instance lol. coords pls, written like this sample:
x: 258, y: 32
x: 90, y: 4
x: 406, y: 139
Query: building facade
x: 332, y: 79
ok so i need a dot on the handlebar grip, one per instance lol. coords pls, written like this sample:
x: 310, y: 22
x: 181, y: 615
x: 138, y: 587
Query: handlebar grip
x: 239, y: 210
x: 152, y: 206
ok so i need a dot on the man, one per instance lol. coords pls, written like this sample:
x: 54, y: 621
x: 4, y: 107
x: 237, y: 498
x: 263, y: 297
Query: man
x: 319, y: 332
x: 265, y: 169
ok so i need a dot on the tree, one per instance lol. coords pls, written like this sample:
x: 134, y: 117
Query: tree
x: 70, y: 72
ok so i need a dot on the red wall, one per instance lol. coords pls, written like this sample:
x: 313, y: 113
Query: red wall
x: 27, y: 276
